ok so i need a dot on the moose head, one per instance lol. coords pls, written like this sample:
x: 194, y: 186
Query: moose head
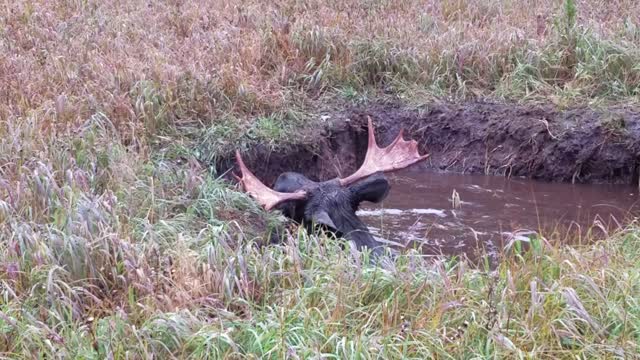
x: 333, y: 204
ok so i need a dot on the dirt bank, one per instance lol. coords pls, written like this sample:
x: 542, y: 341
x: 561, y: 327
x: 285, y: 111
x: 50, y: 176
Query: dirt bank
x: 577, y: 145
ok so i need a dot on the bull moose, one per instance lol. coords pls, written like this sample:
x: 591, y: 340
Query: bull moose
x: 332, y: 204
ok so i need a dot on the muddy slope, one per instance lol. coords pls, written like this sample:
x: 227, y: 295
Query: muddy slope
x: 539, y: 142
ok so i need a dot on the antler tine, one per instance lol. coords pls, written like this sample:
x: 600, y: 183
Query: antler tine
x: 397, y: 155
x: 260, y: 192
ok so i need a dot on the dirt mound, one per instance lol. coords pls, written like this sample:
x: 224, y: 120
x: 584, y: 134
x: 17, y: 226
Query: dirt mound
x: 577, y: 145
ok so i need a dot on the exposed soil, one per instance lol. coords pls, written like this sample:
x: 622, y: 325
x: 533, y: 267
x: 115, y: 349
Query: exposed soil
x: 540, y: 142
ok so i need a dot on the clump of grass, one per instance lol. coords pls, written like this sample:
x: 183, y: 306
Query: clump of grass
x: 273, y: 132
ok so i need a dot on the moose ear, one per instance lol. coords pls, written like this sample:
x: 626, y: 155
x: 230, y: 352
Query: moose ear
x: 322, y: 217
x: 374, y: 189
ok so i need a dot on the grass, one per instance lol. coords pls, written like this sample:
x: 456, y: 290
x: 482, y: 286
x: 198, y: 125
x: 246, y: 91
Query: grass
x: 117, y: 243
x: 155, y: 67
x: 107, y: 254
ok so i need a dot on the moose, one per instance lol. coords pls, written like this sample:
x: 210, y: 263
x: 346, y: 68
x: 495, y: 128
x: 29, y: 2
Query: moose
x: 332, y: 204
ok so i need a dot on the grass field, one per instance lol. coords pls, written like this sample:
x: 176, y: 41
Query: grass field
x: 113, y: 248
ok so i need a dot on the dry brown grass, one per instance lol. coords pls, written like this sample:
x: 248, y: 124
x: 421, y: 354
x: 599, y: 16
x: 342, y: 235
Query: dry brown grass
x: 145, y: 62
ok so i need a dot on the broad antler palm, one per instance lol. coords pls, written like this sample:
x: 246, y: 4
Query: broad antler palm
x: 398, y: 155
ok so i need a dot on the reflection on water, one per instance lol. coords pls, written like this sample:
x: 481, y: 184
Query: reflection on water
x: 491, y: 211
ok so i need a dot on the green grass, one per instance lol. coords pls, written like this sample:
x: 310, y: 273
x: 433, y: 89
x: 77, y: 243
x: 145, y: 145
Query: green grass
x: 276, y: 131
x: 105, y: 254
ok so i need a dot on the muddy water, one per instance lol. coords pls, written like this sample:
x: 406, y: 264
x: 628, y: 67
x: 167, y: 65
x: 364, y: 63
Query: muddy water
x: 489, y: 211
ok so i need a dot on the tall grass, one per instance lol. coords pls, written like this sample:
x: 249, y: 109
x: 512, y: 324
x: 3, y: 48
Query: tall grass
x: 106, y: 254
x: 151, y: 66
x: 116, y: 243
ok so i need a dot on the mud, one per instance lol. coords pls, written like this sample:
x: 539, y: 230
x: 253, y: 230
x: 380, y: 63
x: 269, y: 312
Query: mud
x: 579, y: 145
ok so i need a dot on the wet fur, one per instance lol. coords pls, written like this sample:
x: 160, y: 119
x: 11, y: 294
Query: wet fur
x: 340, y: 203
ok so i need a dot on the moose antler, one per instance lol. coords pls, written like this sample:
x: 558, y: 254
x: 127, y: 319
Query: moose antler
x: 398, y: 155
x: 265, y: 196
